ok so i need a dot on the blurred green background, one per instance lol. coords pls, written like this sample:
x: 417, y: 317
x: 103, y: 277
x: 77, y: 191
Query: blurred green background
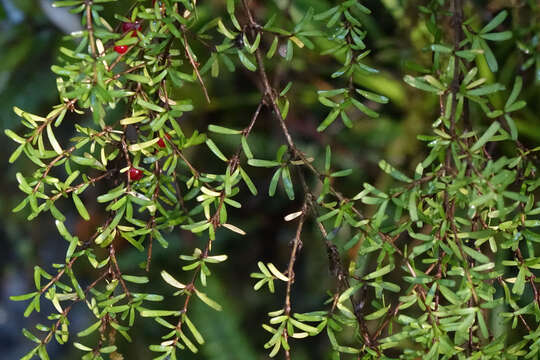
x: 30, y: 35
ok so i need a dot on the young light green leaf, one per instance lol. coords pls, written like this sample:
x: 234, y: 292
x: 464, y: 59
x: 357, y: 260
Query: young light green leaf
x: 169, y: 279
x: 277, y: 273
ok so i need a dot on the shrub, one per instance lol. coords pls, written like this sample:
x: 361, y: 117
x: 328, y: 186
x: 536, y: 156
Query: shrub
x: 438, y: 263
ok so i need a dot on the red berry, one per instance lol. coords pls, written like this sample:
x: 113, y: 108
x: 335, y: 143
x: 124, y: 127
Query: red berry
x: 121, y: 49
x: 127, y: 26
x: 131, y: 26
x: 135, y: 174
x: 161, y: 142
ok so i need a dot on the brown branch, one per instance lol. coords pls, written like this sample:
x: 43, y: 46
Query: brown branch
x: 58, y: 275
x: 151, y: 221
x: 66, y: 311
x: 297, y: 244
x: 77, y: 187
x: 179, y: 152
x: 68, y: 266
x: 90, y: 27
x: 47, y: 121
x: 50, y: 166
x: 336, y: 267
x: 127, y: 71
x: 116, y: 271
x: 189, y: 289
x: 61, y: 156
x: 269, y: 93
x: 194, y: 64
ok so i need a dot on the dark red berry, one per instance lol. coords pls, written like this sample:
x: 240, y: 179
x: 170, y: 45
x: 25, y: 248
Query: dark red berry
x: 161, y: 142
x: 127, y: 26
x: 135, y: 174
x: 131, y: 26
x: 121, y: 49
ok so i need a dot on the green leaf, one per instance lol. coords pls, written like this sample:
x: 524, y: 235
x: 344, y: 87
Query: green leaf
x: 263, y: 163
x: 135, y: 279
x: 441, y: 48
x: 30, y: 336
x: 15, y: 155
x: 372, y: 96
x: 476, y: 255
x: 421, y: 84
x: 412, y: 206
x: 160, y: 313
x: 245, y: 60
x: 53, y: 141
x: 150, y: 106
x: 486, y: 90
x: 89, y: 330
x: 248, y: 182
x: 245, y: 148
x: 213, y: 147
x: 377, y: 314
x: 132, y: 120
x: 287, y: 182
x: 516, y: 106
x: 223, y: 130
x: 498, y: 36
x: 489, y: 56
x: 496, y: 21
x: 143, y: 145
x: 380, y: 272
x: 230, y: 6
x: 172, y: 28
x: 516, y: 89
x: 107, y: 349
x: 490, y: 132
x: 23, y: 297
x: 188, y: 342
x: 392, y: 171
x: 82, y: 347
x: 330, y: 118
x: 143, y: 80
x: 273, y: 48
x: 112, y: 194
x: 449, y: 295
x: 169, y: 279
x: 14, y: 136
x: 519, y: 284
x: 42, y: 352
x: 342, y: 173
x: 274, y: 182
x: 80, y: 207
x: 205, y: 299
x: 278, y: 274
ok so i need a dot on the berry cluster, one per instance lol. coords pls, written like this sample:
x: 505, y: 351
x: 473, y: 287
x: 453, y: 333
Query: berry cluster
x: 134, y: 27
x: 134, y: 173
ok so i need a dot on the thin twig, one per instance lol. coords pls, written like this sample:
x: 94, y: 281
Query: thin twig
x: 116, y: 270
x: 90, y: 27
x: 194, y: 64
x: 66, y: 311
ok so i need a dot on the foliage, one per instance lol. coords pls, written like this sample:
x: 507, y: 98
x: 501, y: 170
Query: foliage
x: 444, y: 259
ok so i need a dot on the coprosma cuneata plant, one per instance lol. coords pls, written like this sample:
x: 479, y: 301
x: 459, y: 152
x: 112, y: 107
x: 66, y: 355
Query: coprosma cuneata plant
x: 453, y: 244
